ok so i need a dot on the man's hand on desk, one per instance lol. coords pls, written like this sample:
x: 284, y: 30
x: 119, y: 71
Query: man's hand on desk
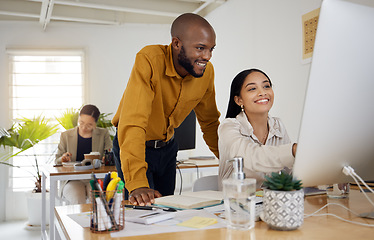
x: 143, y: 196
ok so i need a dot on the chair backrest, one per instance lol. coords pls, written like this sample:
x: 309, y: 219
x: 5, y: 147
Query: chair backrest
x: 206, y: 183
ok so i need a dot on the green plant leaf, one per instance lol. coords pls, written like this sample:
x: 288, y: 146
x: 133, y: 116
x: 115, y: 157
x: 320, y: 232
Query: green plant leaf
x: 69, y: 118
x: 24, y: 135
x: 103, y: 122
x: 282, y: 181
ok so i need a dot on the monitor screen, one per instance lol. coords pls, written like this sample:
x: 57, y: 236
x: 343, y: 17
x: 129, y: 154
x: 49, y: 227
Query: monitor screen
x: 337, y: 127
x: 185, y: 134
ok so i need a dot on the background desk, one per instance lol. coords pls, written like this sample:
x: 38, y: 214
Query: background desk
x: 199, y: 166
x: 325, y: 227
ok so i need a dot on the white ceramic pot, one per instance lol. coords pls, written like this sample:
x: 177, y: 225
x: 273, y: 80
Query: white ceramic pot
x: 34, y: 208
x: 283, y: 210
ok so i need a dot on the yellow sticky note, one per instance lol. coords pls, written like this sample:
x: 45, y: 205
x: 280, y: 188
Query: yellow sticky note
x: 198, y: 222
x: 260, y: 193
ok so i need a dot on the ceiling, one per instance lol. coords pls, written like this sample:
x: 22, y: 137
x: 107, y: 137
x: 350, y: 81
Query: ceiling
x: 107, y: 12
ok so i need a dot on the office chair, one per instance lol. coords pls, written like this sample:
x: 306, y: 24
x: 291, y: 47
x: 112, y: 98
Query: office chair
x: 206, y: 183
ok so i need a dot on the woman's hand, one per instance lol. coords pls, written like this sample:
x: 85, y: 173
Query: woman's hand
x: 66, y: 157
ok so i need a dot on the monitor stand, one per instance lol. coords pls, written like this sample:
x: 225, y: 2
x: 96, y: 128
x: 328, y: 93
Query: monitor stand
x: 367, y: 215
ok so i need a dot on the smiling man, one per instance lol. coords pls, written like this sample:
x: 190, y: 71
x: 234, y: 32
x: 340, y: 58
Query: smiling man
x: 165, y: 85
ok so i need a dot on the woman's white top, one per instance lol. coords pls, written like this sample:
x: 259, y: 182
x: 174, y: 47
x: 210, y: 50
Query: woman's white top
x: 236, y: 138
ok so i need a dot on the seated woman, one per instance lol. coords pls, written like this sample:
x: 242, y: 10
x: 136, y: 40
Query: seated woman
x: 250, y: 132
x: 76, y: 142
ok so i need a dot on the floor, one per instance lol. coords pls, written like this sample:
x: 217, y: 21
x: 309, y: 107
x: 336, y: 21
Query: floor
x: 18, y: 230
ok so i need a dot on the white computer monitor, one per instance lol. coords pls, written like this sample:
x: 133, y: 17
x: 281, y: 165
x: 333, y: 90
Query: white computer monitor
x: 337, y: 127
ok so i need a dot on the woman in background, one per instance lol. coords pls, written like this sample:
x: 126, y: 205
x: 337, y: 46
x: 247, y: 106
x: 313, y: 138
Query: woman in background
x: 250, y: 132
x: 74, y: 143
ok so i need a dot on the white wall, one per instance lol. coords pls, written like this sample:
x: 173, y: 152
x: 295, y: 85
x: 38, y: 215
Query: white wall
x: 110, y: 52
x: 264, y: 34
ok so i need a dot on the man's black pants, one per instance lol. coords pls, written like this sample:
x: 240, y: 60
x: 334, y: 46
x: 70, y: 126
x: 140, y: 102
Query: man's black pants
x: 161, y: 166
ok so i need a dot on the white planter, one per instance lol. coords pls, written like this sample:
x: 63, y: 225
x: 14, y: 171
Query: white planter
x: 34, y: 208
x: 284, y: 210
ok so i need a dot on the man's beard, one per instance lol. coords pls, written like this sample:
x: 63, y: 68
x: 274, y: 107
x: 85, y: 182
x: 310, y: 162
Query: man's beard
x: 186, y: 64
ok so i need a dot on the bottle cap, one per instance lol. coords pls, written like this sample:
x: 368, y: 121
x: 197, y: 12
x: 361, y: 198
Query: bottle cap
x: 238, y: 168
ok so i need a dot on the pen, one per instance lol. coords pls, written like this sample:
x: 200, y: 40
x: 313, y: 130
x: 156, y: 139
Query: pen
x: 117, y: 200
x: 94, y: 224
x: 153, y: 208
x: 101, y: 183
x: 140, y: 207
x: 111, y: 188
x: 106, y: 181
x: 113, y: 175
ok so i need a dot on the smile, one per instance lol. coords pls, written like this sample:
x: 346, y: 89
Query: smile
x: 201, y: 64
x: 264, y: 100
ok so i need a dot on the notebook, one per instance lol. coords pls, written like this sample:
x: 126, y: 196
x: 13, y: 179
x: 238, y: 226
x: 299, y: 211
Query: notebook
x: 191, y: 200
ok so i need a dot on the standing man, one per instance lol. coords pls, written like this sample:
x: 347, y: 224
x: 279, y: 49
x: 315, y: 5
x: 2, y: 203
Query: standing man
x: 165, y: 85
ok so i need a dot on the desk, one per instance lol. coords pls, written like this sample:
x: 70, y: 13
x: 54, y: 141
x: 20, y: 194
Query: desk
x: 325, y: 227
x: 69, y: 173
x: 62, y: 173
x: 199, y: 165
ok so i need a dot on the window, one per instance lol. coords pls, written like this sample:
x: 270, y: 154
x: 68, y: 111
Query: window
x: 42, y: 83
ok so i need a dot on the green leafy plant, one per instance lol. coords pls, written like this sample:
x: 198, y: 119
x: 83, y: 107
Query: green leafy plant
x: 282, y: 182
x: 69, y: 118
x: 24, y: 135
x: 103, y: 121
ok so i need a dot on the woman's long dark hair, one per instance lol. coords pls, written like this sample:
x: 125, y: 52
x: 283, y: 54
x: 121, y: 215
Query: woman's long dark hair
x: 234, y: 109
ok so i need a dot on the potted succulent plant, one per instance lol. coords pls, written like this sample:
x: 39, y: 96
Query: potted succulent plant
x: 283, y: 201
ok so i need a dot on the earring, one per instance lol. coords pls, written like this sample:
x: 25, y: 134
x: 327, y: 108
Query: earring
x: 242, y: 107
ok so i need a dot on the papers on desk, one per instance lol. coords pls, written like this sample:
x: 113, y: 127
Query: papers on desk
x: 147, y: 216
x: 83, y: 219
x: 198, y: 222
x: 172, y: 225
x: 201, y: 219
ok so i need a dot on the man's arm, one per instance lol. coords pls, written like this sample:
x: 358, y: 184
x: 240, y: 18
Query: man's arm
x: 133, y: 120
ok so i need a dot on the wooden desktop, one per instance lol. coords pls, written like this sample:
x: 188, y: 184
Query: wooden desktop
x: 321, y: 227
x: 61, y: 173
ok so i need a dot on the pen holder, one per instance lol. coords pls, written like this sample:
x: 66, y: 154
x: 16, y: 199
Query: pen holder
x: 107, y: 216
